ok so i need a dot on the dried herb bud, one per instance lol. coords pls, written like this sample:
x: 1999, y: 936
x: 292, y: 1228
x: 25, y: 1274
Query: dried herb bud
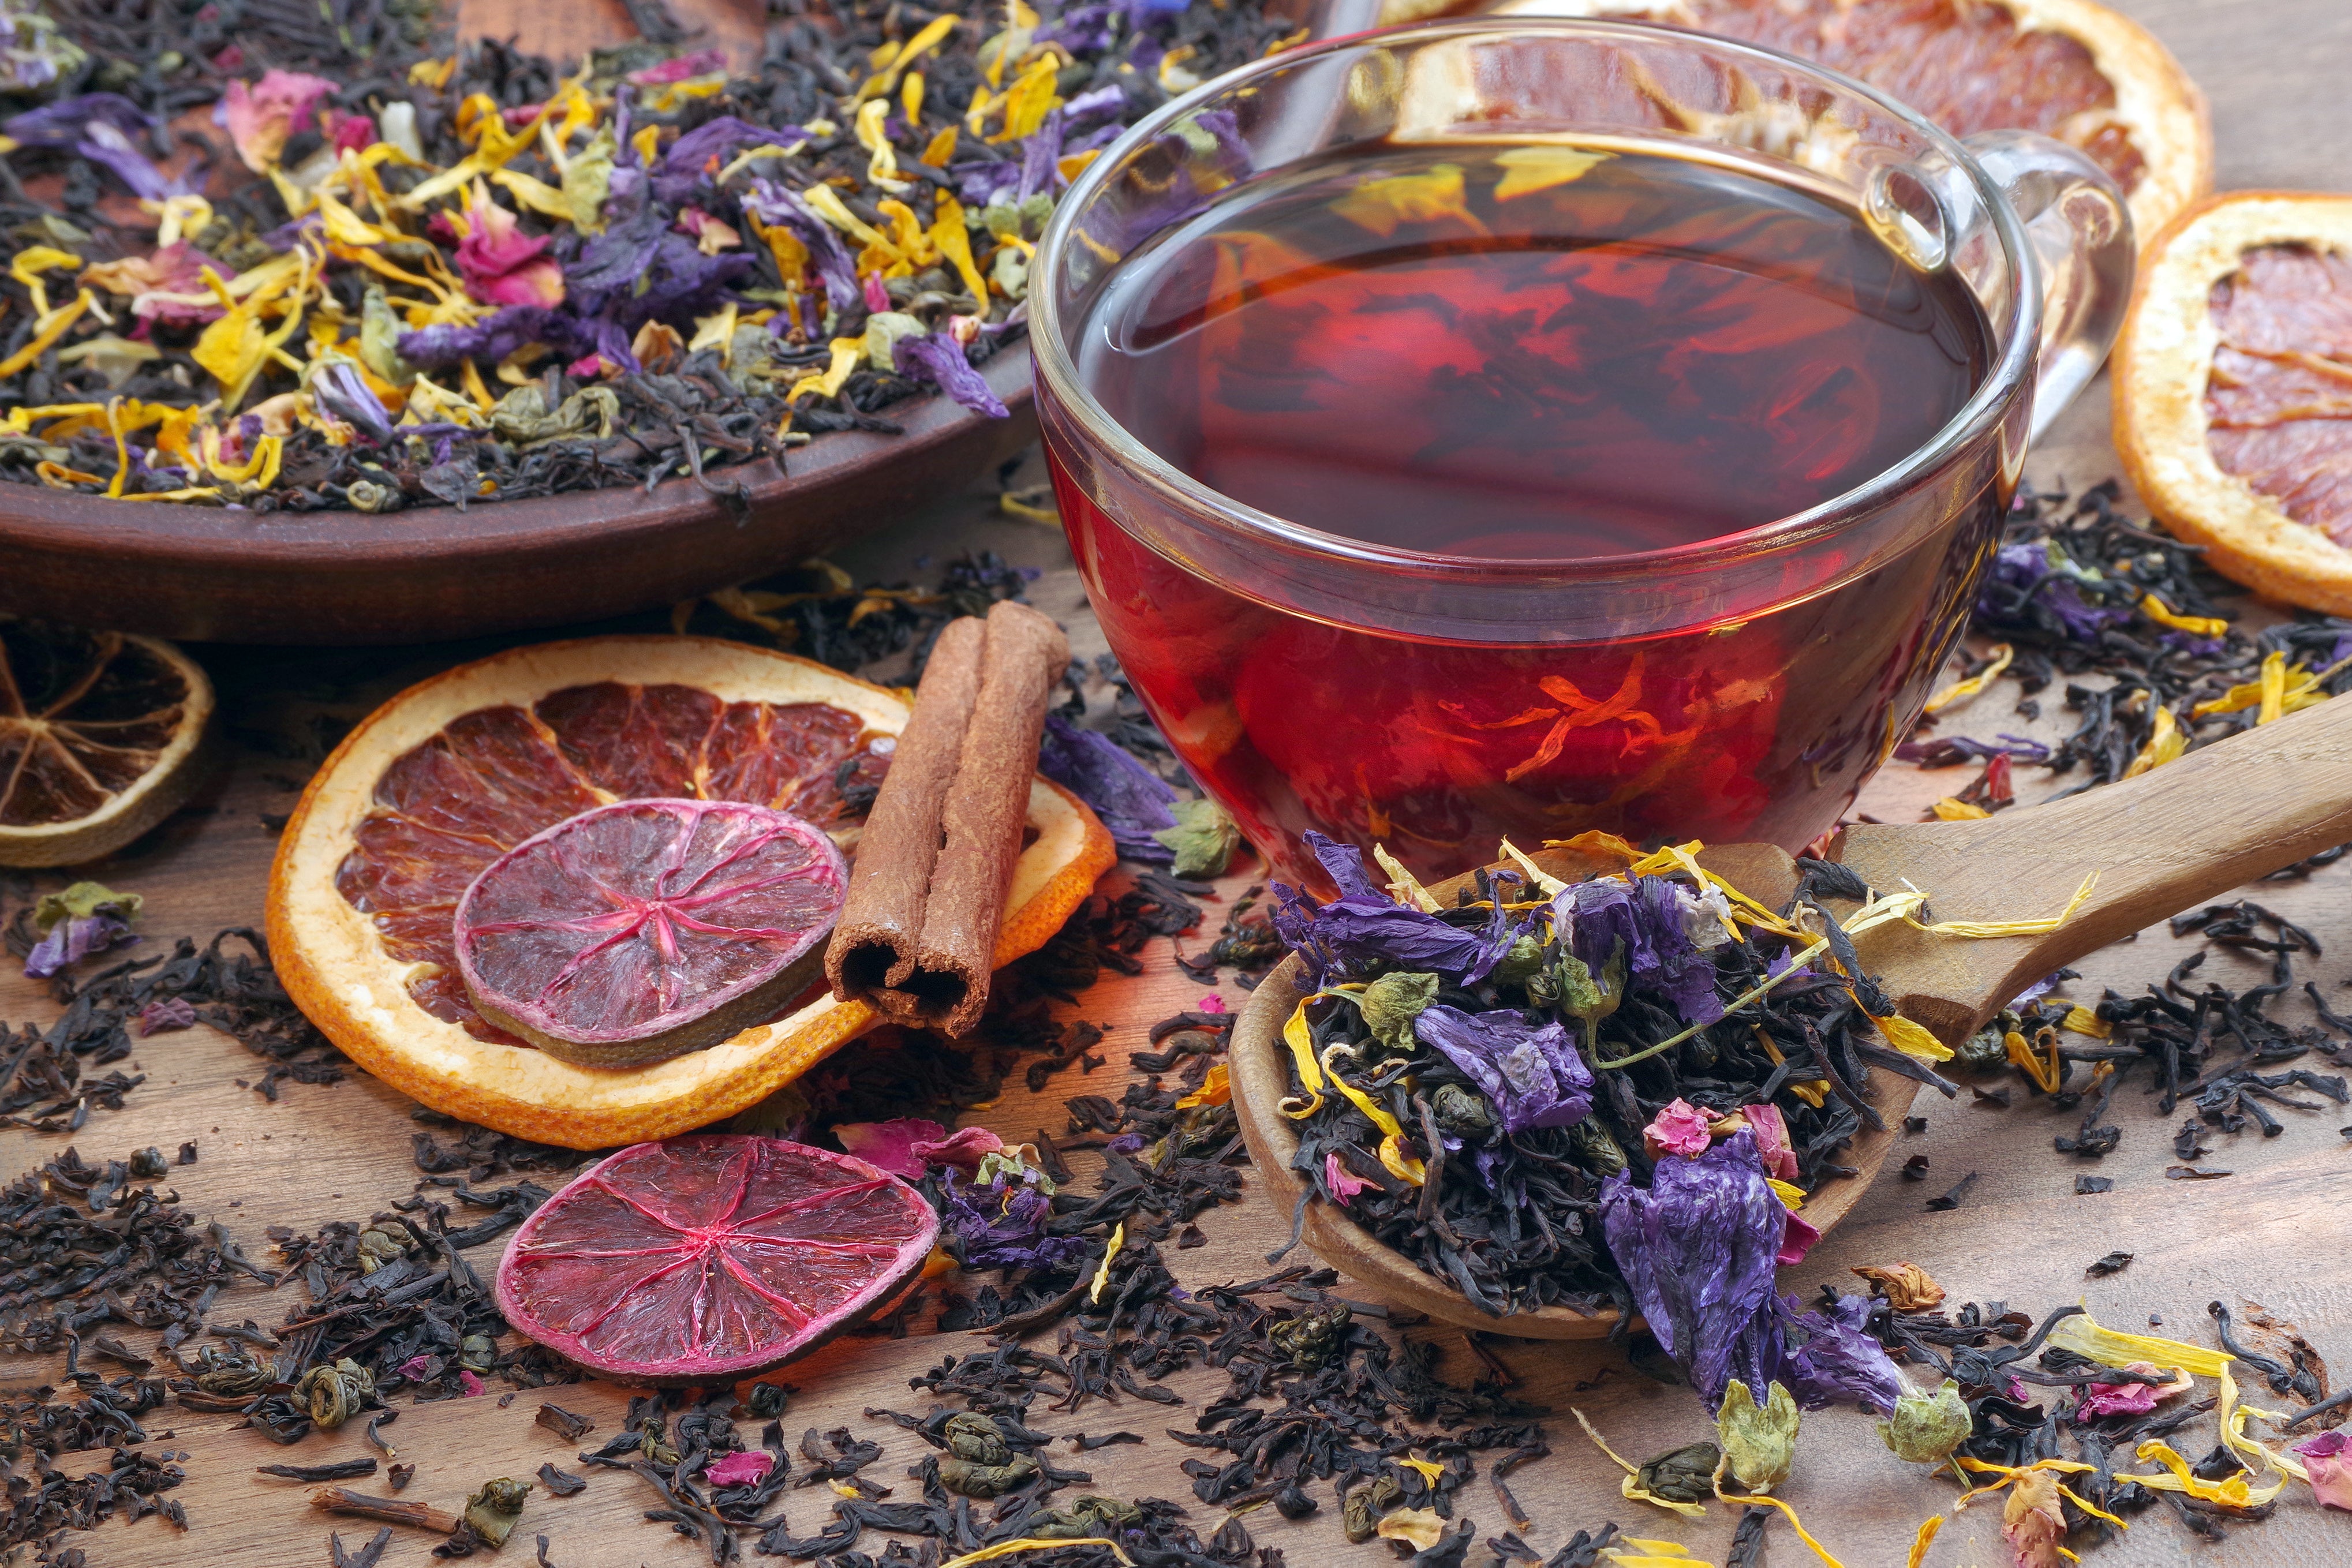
x: 1463, y: 1113
x: 966, y: 1478
x: 1926, y: 1427
x: 1393, y: 1002
x: 1759, y: 1442
x: 1684, y: 1475
x: 977, y: 1438
x: 1595, y: 1148
x: 1521, y: 964
x: 1204, y: 838
x: 220, y: 1372
x: 496, y: 1509
x: 1987, y: 1050
x: 1089, y: 1517
x: 1360, y: 1514
x: 378, y: 1247
x: 335, y: 1394
x: 1310, y: 1339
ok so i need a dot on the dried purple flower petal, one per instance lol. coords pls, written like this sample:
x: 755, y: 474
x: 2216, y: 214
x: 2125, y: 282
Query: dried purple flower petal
x: 1530, y: 1073
x: 1697, y: 1247
x: 1131, y: 800
x: 939, y: 359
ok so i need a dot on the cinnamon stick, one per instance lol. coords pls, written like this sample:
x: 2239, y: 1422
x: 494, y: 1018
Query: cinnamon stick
x: 918, y: 934
x: 1025, y: 655
x: 873, y: 945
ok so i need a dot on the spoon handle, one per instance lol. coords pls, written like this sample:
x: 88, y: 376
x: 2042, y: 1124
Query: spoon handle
x: 2160, y: 843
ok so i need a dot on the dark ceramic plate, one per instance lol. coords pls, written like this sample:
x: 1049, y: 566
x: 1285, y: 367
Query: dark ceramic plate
x: 202, y: 573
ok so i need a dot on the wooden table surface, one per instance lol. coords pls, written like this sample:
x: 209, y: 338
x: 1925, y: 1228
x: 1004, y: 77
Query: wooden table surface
x: 2274, y: 1232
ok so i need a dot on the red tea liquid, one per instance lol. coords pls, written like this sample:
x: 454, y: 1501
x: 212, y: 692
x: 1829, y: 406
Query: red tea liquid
x: 1467, y: 352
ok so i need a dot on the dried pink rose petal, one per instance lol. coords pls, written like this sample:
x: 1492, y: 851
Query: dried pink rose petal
x: 1771, y: 1140
x: 469, y: 1383
x: 1680, y: 1129
x: 891, y: 1144
x: 2331, y: 1474
x: 261, y: 117
x: 702, y: 62
x: 964, y: 1148
x: 2032, y: 1521
x: 1212, y: 1003
x: 1796, y: 1239
x: 748, y: 1468
x: 1344, y: 1183
x: 501, y: 264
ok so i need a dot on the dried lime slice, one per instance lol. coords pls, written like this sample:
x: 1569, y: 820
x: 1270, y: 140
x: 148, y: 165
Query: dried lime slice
x: 636, y: 932
x: 710, y: 1258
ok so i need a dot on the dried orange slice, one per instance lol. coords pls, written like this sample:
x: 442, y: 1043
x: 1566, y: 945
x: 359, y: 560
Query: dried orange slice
x: 102, y: 735
x: 708, y: 1259
x: 2233, y: 390
x: 453, y: 773
x: 2067, y: 68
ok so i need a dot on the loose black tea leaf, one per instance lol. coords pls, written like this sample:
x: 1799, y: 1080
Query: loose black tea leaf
x: 2113, y: 1263
x: 365, y: 1557
x: 1952, y: 1199
x: 561, y: 1483
x: 342, y: 1471
x: 563, y: 1423
x: 2087, y: 1186
x: 399, y: 1476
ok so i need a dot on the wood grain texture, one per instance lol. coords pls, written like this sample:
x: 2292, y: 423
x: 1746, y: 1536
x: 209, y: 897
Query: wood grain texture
x: 2274, y: 1232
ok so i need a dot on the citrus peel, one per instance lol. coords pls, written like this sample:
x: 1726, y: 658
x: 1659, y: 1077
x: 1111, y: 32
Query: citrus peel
x: 2231, y: 412
x: 102, y: 735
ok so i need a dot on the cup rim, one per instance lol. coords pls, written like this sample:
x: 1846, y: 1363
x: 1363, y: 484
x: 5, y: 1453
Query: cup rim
x: 2005, y: 379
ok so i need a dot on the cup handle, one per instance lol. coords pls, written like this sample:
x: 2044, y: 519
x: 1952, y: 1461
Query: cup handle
x: 2081, y: 231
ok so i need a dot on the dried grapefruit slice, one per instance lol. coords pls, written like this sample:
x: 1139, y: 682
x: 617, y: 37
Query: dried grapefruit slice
x: 454, y: 772
x: 708, y: 1259
x: 102, y: 735
x: 635, y: 931
x: 2233, y: 390
x: 2068, y: 68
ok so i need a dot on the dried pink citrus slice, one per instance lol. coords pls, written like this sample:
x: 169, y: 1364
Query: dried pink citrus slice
x: 638, y: 931
x: 709, y: 1257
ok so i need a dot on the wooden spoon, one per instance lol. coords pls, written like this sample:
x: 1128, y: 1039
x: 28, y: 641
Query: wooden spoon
x: 2161, y: 842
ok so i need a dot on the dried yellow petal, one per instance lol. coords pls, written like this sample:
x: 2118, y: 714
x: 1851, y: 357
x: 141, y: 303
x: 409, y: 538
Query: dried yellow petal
x: 1961, y: 691
x: 2163, y: 615
x: 1102, y: 1274
x: 1911, y: 1039
x: 2086, y: 1338
x: 1527, y: 169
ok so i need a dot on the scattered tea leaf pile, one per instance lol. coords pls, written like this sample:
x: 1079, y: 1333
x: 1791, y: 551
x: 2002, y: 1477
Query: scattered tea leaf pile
x: 228, y: 984
x: 418, y: 281
x: 2213, y: 1047
x: 2081, y: 589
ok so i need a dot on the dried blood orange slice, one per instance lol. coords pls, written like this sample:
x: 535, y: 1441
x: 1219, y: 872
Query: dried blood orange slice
x: 635, y: 931
x: 2068, y: 68
x: 707, y: 1259
x: 2233, y: 390
x: 101, y: 736
x: 448, y: 775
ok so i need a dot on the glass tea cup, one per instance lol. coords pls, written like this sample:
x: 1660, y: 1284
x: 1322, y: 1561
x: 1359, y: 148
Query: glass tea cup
x: 1740, y: 688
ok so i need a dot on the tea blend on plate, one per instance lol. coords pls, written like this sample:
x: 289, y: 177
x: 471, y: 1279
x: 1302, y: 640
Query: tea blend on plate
x: 418, y: 274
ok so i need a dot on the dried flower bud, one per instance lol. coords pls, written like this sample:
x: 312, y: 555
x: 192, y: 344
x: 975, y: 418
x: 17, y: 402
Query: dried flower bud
x: 1204, y: 838
x: 1926, y: 1427
x: 1310, y: 1339
x: 1684, y: 1475
x: 1521, y: 964
x: 977, y: 1438
x: 1463, y: 1113
x: 335, y: 1394
x: 496, y: 1509
x: 1759, y: 1442
x: 1393, y: 1002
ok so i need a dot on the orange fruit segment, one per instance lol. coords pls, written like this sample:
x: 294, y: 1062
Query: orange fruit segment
x: 2067, y: 68
x: 456, y: 771
x: 2233, y: 390
x: 102, y: 735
